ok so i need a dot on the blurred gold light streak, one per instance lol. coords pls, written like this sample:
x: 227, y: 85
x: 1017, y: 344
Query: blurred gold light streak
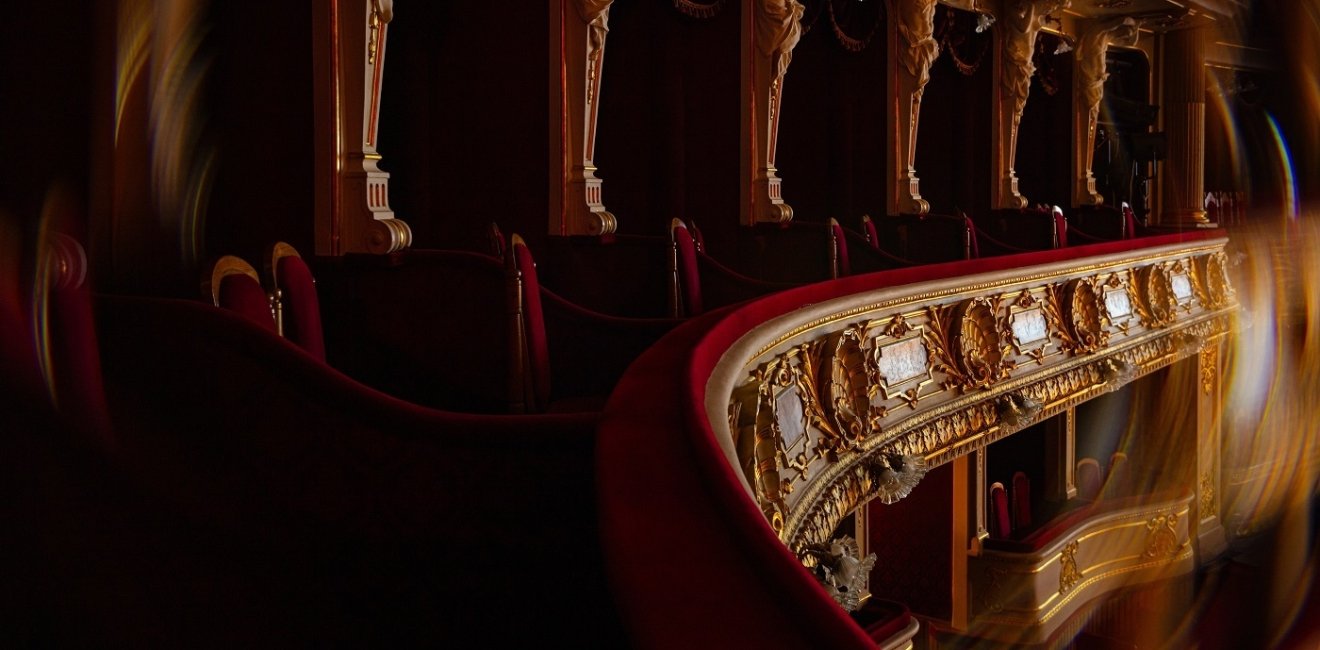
x: 133, y: 38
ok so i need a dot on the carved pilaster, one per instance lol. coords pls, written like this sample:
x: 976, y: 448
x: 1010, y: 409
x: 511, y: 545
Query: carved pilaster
x: 770, y: 32
x: 352, y: 193
x: 577, y: 53
x: 1088, y: 89
x: 1183, y: 175
x: 912, y: 50
x: 1020, y: 22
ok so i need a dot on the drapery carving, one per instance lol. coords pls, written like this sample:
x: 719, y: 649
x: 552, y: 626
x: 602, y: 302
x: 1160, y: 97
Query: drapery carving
x: 775, y: 28
x: 913, y: 49
x: 353, y: 195
x: 577, y: 44
x: 1022, y: 20
x: 1089, y: 88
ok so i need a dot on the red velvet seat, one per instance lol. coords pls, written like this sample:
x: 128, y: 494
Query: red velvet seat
x: 702, y: 283
x: 1088, y: 478
x: 233, y: 284
x: 1001, y: 519
x: 589, y: 350
x: 1118, y: 479
x: 1021, y: 502
x: 299, y: 313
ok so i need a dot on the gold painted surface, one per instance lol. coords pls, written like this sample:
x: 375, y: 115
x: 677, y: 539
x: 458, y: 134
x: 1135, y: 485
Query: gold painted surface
x: 814, y: 415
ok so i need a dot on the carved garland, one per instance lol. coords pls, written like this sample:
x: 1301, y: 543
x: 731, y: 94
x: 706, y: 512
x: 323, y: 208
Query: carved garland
x: 699, y: 9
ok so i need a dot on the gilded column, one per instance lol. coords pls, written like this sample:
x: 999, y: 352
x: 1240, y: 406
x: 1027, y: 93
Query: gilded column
x: 352, y: 192
x: 577, y: 52
x: 912, y: 50
x: 770, y: 31
x: 1183, y: 176
x: 1021, y: 22
x: 1088, y: 89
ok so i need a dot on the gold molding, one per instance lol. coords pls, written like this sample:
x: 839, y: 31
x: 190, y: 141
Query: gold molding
x: 817, y: 419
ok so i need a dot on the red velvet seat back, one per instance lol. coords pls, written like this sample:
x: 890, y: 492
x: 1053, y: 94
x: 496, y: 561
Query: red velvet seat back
x: 1001, y: 523
x: 872, y: 237
x: 538, y: 347
x: 843, y: 265
x: 234, y: 286
x: 74, y: 358
x: 1117, y: 480
x: 1088, y: 479
x: 1060, y: 228
x: 1021, y: 501
x: 302, y: 308
x: 689, y: 277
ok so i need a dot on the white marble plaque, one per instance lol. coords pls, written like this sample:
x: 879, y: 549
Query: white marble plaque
x: 1029, y: 326
x: 903, y: 360
x: 1117, y: 303
x: 788, y: 413
x: 1182, y: 287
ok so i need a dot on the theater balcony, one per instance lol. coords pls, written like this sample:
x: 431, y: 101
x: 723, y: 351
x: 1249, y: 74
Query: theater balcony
x: 758, y: 463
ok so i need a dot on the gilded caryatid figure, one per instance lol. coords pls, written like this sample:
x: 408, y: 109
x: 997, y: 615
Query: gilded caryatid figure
x: 770, y: 33
x: 577, y: 43
x: 1021, y: 22
x: 1089, y: 88
x: 913, y: 49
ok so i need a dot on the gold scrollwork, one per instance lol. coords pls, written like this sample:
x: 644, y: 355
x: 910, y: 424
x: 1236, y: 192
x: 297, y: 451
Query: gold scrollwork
x: 1156, y: 305
x: 1162, y: 536
x: 850, y: 397
x: 1209, y: 368
x: 1069, y: 575
x: 1208, y: 496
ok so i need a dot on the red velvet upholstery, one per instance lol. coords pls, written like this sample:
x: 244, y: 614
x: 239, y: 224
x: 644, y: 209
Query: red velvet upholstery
x: 1021, y: 501
x: 882, y: 619
x: 538, y: 349
x: 74, y: 370
x: 1001, y: 522
x: 843, y: 264
x: 675, y: 512
x: 698, y: 239
x: 1088, y: 479
x: 1129, y: 222
x: 1117, y: 480
x: 1069, y: 520
x: 325, y: 511
x: 689, y: 278
x: 302, y: 308
x: 243, y: 295
x: 872, y: 237
x: 1060, y: 228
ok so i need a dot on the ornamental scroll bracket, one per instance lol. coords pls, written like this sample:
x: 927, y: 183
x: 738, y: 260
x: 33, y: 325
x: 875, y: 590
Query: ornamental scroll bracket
x: 912, y: 50
x: 771, y: 29
x: 1017, y: 28
x: 353, y: 193
x: 1088, y: 89
x: 578, y: 29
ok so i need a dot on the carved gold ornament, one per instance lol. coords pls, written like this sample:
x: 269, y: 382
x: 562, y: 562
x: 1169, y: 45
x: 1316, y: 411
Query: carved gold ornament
x: 1210, y: 280
x: 840, y: 570
x: 1069, y: 575
x: 1209, y: 368
x: 970, y: 342
x: 1156, y: 304
x: 1162, y: 536
x: 1208, y: 496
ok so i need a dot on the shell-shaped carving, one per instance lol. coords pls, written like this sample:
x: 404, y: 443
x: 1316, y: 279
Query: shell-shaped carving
x: 1082, y: 300
x: 1214, y: 287
x: 979, y: 340
x: 1156, y: 299
x: 849, y: 394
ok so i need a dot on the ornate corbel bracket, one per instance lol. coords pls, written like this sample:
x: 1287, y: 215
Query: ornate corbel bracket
x: 771, y: 30
x: 912, y: 50
x: 1088, y: 89
x: 353, y: 193
x: 1019, y: 23
x: 577, y: 53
